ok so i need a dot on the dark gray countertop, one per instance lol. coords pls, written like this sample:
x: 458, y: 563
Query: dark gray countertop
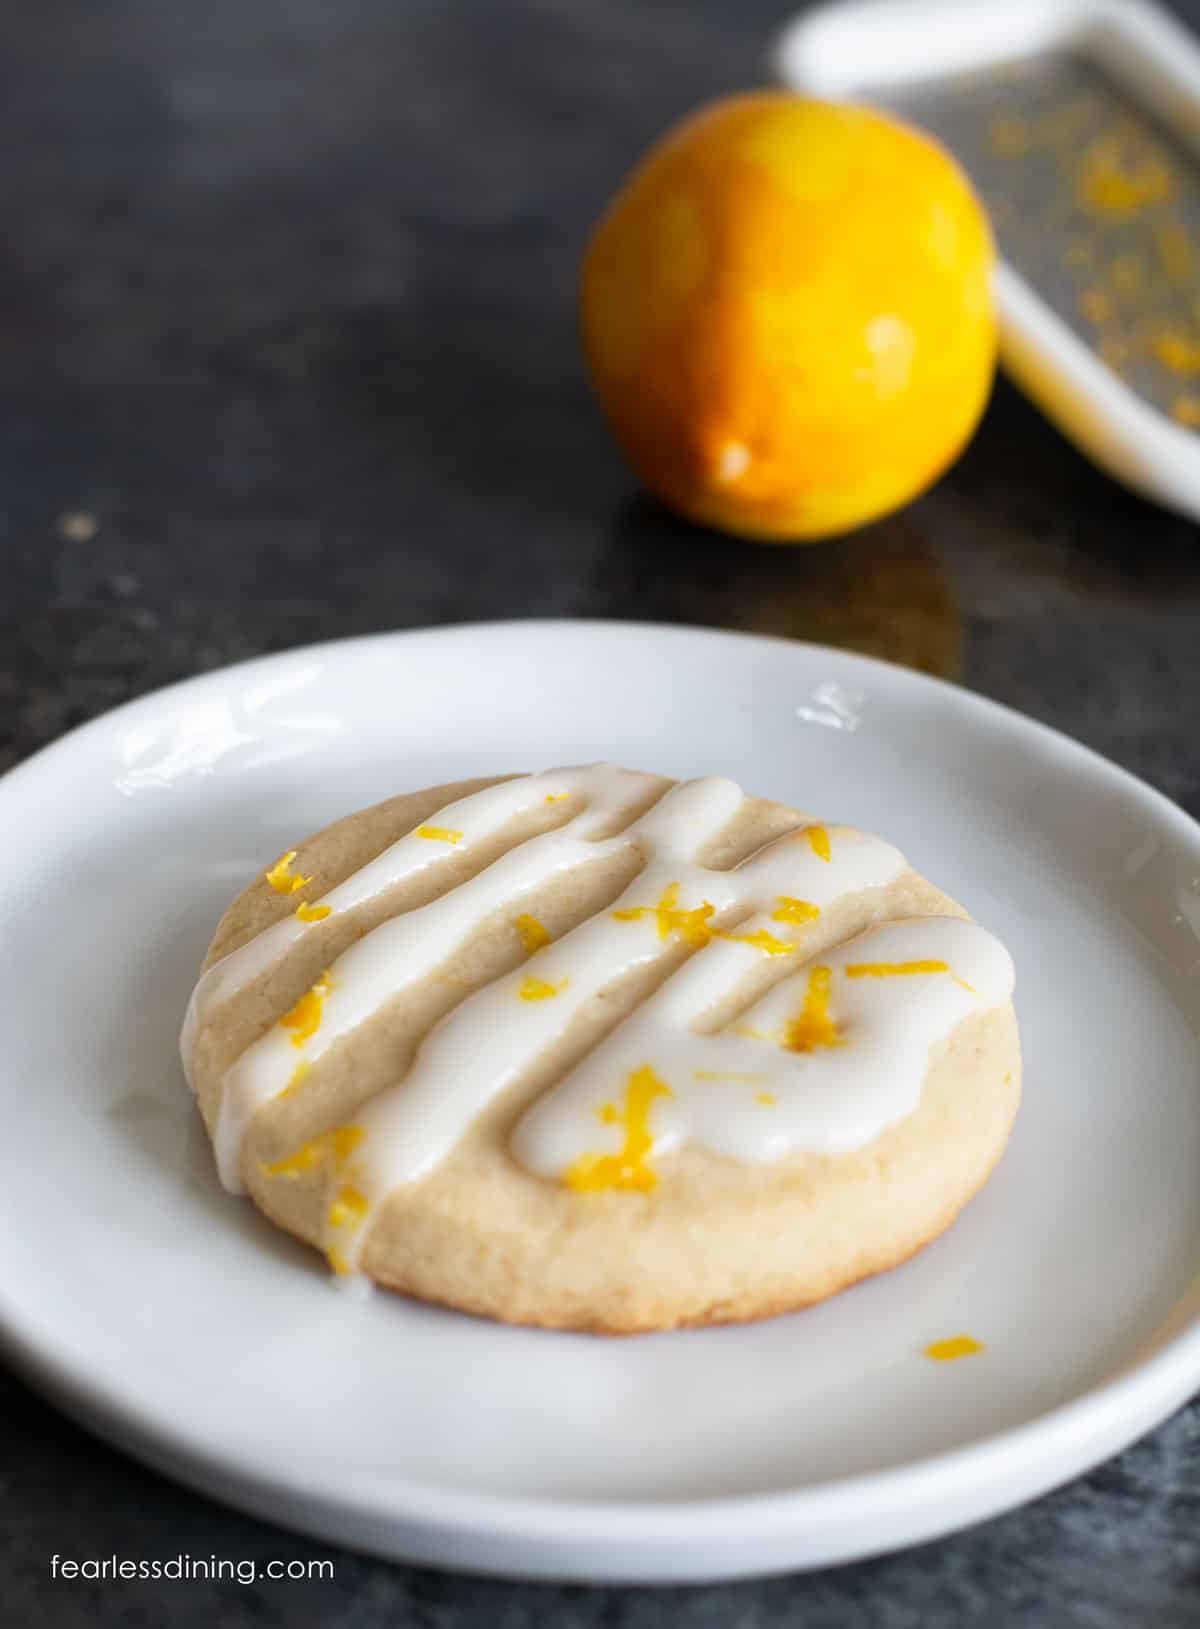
x: 287, y: 297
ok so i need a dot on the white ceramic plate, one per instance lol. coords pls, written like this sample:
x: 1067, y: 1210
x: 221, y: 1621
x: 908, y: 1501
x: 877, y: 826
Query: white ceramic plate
x: 175, y: 1321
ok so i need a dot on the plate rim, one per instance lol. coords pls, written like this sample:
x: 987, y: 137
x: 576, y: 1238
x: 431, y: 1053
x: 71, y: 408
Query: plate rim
x: 1042, y: 1452
x: 948, y: 689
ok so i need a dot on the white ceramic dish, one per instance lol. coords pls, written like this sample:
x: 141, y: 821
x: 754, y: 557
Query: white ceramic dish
x: 171, y: 1319
x: 851, y: 47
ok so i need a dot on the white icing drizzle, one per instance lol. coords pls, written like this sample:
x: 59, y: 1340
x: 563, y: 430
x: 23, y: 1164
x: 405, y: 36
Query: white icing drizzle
x: 823, y: 1101
x: 827, y: 1101
x: 415, y: 1124
x: 478, y: 816
x: 409, y: 947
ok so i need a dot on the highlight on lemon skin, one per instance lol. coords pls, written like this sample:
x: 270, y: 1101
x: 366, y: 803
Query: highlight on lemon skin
x: 788, y: 316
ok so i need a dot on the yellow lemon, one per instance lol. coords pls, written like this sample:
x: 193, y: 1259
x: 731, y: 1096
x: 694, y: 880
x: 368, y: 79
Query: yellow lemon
x: 788, y: 314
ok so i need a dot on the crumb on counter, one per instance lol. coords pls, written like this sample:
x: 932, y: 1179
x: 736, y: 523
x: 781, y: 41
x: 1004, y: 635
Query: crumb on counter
x: 77, y: 526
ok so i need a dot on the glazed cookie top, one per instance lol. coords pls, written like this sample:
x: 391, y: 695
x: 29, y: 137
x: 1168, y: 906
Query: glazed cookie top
x: 834, y: 1051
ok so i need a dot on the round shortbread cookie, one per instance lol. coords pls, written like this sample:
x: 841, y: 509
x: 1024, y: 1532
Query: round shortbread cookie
x: 599, y: 1050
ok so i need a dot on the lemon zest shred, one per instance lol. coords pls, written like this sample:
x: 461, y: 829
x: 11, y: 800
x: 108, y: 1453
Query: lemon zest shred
x: 349, y: 1207
x: 817, y: 838
x: 280, y: 875
x: 305, y: 1016
x: 313, y: 913
x: 813, y: 1026
x: 1176, y: 252
x: 627, y: 1170
x: 439, y: 834
x: 1177, y: 351
x: 540, y: 989
x: 797, y: 911
x: 762, y: 940
x: 691, y: 926
x: 345, y: 1140
x: 292, y: 1165
x: 891, y: 970
x: 533, y: 934
x: 297, y: 1076
x: 340, y: 1143
x: 1113, y: 185
x: 958, y: 1346
x: 1095, y: 305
